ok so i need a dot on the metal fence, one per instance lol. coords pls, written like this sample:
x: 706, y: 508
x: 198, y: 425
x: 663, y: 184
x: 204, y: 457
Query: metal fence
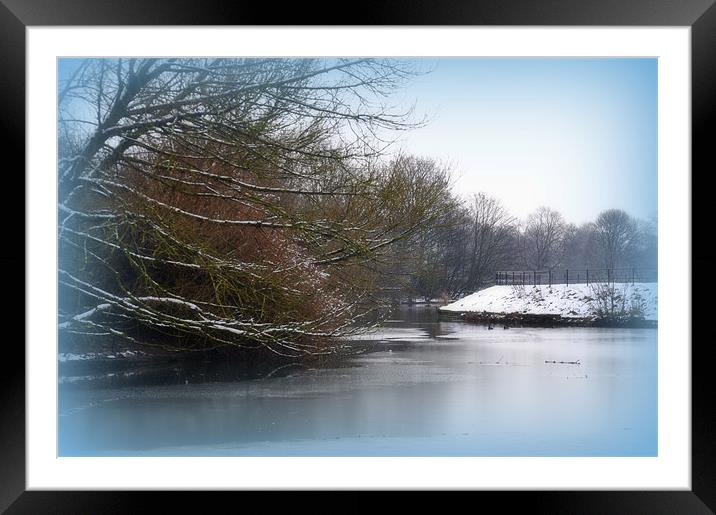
x: 576, y: 276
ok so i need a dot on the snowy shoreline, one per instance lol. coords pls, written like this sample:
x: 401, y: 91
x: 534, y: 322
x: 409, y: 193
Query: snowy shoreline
x: 577, y: 301
x: 64, y: 357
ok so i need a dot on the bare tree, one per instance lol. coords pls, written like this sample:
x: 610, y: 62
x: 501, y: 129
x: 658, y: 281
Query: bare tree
x: 213, y: 202
x: 489, y: 230
x: 646, y: 251
x: 580, y: 246
x: 543, y: 239
x: 617, y: 235
x: 419, y: 264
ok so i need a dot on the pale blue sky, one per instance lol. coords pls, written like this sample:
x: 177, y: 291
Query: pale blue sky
x: 579, y: 135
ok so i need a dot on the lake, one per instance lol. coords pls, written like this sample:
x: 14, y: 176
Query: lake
x: 427, y: 388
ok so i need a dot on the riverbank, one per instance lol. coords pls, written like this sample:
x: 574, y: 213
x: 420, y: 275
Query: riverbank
x: 596, y: 304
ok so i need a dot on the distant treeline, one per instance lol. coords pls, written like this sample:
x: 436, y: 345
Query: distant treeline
x: 478, y: 237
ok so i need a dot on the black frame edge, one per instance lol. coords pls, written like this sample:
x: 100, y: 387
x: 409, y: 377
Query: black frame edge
x: 703, y: 112
x: 371, y: 12
x: 12, y: 142
x: 700, y: 14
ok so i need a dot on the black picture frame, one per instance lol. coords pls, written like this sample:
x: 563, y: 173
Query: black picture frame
x: 16, y: 15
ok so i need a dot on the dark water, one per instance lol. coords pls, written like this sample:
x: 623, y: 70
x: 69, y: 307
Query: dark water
x: 430, y: 388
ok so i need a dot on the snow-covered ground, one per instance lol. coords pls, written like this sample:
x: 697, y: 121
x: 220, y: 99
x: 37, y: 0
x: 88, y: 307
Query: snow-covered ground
x: 575, y: 300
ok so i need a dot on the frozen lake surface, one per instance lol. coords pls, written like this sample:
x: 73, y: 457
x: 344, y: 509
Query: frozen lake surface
x: 429, y: 388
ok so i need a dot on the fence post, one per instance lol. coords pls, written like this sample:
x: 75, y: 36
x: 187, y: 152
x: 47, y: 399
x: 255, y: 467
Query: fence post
x: 587, y: 276
x: 523, y: 278
x: 567, y: 276
x: 609, y: 275
x: 549, y: 277
x: 497, y: 278
x: 632, y: 276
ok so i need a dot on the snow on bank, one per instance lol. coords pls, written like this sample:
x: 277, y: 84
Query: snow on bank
x: 68, y: 356
x: 574, y: 300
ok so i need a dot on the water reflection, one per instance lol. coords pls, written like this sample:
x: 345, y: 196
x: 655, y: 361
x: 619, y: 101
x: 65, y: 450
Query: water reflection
x: 429, y: 388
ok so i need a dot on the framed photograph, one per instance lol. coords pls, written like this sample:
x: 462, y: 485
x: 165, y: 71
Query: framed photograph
x: 435, y: 250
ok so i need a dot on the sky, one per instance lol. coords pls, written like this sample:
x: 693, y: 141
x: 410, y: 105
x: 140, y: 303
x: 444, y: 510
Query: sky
x: 578, y: 135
